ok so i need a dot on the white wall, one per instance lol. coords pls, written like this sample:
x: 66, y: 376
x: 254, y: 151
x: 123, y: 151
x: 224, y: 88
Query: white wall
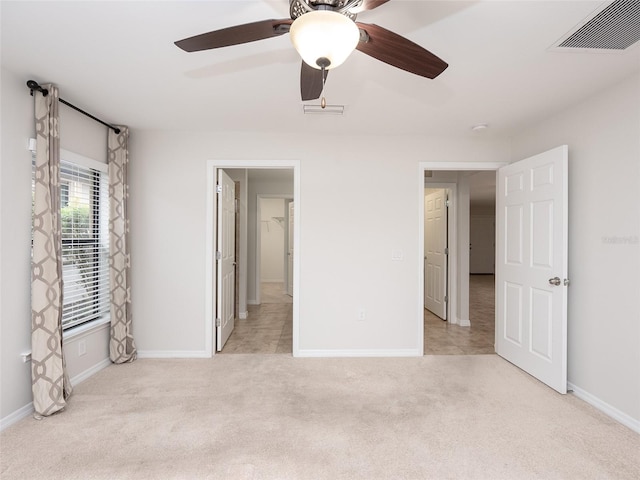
x: 482, y: 243
x: 603, y: 135
x: 77, y: 134
x: 365, y: 188
x: 272, y: 240
x: 85, y: 351
x: 358, y: 202
x: 15, y: 214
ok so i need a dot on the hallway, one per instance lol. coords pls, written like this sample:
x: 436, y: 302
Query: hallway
x: 443, y: 338
x: 269, y: 326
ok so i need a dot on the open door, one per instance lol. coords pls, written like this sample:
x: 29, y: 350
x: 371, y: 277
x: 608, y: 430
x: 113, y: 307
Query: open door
x: 435, y: 253
x: 531, y: 266
x: 225, y: 258
x: 290, y: 252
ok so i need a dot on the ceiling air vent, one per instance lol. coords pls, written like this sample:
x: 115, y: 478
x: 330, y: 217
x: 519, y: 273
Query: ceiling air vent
x: 616, y: 27
x: 326, y: 110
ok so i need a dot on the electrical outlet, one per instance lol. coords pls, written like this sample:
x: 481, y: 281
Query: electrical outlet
x: 362, y: 315
x: 397, y: 255
x: 26, y: 357
x: 82, y: 348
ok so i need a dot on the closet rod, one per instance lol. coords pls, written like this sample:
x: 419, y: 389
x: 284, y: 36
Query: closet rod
x: 33, y: 85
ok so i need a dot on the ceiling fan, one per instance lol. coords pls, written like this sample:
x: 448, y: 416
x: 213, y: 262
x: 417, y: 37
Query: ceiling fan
x: 324, y: 32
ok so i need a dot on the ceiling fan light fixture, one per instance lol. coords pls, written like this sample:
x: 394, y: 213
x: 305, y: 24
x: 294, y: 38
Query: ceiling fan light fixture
x: 324, y: 34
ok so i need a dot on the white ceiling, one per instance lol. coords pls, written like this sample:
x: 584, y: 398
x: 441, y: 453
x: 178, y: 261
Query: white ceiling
x: 117, y: 60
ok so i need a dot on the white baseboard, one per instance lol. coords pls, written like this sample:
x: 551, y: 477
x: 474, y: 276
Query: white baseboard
x: 359, y: 353
x: 28, y: 410
x: 16, y: 416
x: 90, y: 371
x: 243, y: 315
x: 605, y: 408
x: 173, y: 354
x: 464, y: 323
x: 253, y: 302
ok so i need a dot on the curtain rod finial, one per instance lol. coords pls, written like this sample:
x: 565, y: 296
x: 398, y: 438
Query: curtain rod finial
x: 33, y: 85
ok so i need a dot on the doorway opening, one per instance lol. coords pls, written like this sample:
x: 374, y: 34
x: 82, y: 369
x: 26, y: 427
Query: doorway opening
x: 465, y: 322
x: 274, y: 248
x: 267, y: 326
x: 257, y: 181
x: 531, y: 259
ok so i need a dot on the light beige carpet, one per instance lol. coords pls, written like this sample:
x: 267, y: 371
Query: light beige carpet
x: 278, y: 417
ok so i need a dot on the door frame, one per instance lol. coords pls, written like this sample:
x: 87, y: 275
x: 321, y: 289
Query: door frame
x: 260, y: 196
x: 453, y: 235
x: 210, y: 222
x: 289, y: 244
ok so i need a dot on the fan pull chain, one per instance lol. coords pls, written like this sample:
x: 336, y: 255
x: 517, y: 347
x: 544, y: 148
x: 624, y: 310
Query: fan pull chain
x: 323, y: 63
x: 323, y: 101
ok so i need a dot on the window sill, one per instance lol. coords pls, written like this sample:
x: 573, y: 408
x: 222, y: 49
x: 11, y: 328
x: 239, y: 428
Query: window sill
x: 87, y: 328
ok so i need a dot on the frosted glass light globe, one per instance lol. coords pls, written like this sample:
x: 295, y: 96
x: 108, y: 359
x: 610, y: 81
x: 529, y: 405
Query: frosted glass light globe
x: 324, y: 34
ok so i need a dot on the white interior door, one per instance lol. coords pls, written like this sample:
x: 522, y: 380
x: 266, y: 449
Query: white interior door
x: 290, y: 251
x: 225, y: 259
x: 531, y: 264
x: 435, y: 259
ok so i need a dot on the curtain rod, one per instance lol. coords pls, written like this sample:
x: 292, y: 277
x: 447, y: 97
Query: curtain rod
x: 33, y: 85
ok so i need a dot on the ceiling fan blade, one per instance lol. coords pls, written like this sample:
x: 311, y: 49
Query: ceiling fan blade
x: 249, y: 32
x: 368, y: 5
x: 395, y: 50
x: 311, y: 82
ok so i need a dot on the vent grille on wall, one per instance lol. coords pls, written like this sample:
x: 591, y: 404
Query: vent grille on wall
x: 617, y: 27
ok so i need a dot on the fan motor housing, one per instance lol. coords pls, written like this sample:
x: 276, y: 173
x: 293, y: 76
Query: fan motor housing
x: 300, y: 7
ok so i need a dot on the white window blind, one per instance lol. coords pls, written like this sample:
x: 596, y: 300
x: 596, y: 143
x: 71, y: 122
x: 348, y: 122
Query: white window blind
x: 85, y: 243
x: 84, y: 217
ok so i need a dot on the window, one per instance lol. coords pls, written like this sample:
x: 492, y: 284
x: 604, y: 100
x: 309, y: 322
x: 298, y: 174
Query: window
x: 84, y: 217
x: 64, y: 194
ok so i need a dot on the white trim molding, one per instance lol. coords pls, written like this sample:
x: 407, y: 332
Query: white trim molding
x: 87, y: 329
x: 451, y: 166
x: 16, y: 416
x: 412, y: 352
x: 173, y: 354
x: 28, y: 410
x: 605, y: 408
x: 81, y: 377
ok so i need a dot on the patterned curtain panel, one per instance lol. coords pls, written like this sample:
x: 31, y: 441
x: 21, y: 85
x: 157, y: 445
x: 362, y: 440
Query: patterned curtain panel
x: 122, y: 348
x: 50, y: 383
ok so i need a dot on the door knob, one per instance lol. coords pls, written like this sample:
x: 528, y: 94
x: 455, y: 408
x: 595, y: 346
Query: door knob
x: 555, y: 281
